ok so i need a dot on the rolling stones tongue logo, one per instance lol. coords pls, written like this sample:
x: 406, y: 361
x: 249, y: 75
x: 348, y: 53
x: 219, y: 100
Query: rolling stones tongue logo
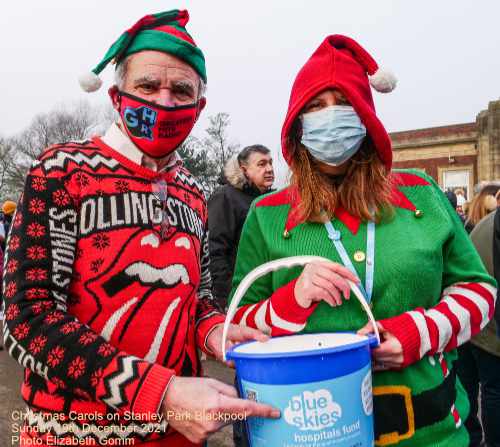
x: 143, y: 306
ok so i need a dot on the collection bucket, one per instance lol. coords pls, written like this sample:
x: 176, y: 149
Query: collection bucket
x: 320, y: 382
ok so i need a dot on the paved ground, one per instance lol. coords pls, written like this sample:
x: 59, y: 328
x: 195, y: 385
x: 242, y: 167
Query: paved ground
x: 10, y: 402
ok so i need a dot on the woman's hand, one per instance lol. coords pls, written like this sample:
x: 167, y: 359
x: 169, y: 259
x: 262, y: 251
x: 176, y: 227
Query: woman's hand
x: 323, y: 281
x: 389, y: 354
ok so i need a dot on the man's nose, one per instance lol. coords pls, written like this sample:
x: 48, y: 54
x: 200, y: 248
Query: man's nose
x: 165, y: 98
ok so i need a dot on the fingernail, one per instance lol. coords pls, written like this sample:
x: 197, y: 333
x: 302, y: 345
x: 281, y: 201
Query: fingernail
x: 275, y: 413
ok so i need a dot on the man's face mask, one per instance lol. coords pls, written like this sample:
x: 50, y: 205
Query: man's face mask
x: 332, y: 135
x: 156, y: 130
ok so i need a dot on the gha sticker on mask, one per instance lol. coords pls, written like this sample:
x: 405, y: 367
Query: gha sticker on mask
x: 156, y: 130
x: 140, y: 121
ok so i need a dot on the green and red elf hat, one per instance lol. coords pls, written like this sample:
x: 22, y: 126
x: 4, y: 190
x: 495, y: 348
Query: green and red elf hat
x: 164, y: 32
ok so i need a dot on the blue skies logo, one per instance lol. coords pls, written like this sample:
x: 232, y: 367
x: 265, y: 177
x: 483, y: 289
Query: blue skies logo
x: 313, y: 410
x: 140, y: 121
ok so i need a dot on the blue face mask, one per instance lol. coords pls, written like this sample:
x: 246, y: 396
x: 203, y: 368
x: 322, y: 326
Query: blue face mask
x: 332, y: 135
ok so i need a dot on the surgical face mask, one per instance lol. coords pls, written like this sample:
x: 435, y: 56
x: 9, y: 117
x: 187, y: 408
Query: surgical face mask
x: 332, y: 135
x: 156, y: 130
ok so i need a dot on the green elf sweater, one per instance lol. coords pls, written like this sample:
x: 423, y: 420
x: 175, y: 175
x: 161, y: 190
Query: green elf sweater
x: 430, y: 290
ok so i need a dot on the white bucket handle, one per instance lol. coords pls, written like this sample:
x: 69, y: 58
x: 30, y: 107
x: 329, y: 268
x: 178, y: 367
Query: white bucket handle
x: 272, y: 266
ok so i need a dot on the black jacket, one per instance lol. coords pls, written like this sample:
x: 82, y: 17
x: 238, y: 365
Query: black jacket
x: 496, y: 263
x: 227, y: 210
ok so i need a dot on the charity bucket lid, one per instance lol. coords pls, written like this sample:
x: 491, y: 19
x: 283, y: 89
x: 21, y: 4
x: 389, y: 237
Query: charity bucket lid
x: 300, y: 345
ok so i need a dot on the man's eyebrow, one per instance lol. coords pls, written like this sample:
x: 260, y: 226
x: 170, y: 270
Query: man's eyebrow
x: 146, y: 79
x: 183, y: 83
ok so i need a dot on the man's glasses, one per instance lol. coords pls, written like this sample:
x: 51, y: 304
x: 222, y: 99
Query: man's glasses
x: 160, y: 192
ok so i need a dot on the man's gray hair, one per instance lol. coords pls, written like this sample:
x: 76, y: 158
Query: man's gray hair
x: 244, y: 155
x: 121, y: 73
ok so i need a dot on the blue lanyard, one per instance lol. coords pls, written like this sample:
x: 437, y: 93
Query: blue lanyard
x: 334, y: 236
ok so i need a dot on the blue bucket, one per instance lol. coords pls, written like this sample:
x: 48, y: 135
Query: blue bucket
x: 321, y: 383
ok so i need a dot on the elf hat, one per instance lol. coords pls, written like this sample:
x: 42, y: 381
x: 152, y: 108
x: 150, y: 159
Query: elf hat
x: 341, y: 63
x: 164, y: 31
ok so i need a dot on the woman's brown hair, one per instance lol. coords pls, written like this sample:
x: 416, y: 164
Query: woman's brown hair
x: 364, y: 187
x: 481, y: 205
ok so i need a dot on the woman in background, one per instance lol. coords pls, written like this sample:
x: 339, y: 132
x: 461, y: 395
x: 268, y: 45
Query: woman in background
x: 481, y: 205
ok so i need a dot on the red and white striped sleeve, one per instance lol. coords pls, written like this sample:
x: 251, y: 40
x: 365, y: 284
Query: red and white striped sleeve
x: 280, y: 314
x: 464, y: 310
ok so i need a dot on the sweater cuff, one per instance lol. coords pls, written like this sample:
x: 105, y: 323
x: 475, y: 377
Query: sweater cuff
x: 285, y: 305
x: 403, y: 327
x: 152, y: 392
x: 205, y: 328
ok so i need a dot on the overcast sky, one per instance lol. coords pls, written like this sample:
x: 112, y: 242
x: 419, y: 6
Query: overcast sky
x: 444, y: 53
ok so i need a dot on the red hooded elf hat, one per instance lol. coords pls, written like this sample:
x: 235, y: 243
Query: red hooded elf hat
x: 341, y: 63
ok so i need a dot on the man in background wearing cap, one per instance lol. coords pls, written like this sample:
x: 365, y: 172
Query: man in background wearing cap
x: 8, y: 210
x: 107, y: 282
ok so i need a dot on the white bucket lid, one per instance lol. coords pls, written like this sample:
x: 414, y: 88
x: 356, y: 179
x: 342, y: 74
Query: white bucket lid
x: 271, y: 266
x: 296, y: 344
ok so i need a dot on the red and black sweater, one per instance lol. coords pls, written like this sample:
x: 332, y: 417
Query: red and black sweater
x: 100, y: 310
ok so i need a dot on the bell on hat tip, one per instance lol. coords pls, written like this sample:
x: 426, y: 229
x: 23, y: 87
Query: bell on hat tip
x: 89, y: 81
x: 383, y: 81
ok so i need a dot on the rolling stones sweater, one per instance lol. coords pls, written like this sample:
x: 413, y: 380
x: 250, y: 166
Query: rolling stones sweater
x: 430, y: 290
x: 100, y: 310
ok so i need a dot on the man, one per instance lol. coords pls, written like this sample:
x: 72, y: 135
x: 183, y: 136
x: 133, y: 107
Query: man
x: 248, y: 175
x: 107, y: 282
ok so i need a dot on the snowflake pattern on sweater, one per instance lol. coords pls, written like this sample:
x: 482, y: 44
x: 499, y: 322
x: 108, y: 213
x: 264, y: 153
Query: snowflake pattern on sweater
x: 100, y: 310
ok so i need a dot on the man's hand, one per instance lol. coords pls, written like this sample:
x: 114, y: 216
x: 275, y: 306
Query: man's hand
x: 389, y: 355
x: 235, y: 334
x: 198, y: 407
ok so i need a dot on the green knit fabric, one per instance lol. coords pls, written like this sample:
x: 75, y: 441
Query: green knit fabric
x: 151, y: 39
x: 160, y: 41
x: 415, y: 259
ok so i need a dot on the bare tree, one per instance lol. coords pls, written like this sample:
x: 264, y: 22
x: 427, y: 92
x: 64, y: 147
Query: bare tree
x: 6, y: 156
x: 217, y: 141
x: 74, y: 122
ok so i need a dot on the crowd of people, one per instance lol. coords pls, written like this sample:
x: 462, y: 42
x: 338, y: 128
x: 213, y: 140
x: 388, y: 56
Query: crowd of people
x: 117, y: 272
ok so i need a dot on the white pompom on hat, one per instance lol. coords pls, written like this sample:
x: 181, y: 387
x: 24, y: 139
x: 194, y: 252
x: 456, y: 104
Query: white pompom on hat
x: 384, y: 81
x: 89, y: 82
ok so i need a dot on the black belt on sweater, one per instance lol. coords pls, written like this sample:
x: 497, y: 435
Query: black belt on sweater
x: 398, y: 413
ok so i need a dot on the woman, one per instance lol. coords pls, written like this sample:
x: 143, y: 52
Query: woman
x: 478, y: 362
x: 394, y: 230
x: 484, y: 203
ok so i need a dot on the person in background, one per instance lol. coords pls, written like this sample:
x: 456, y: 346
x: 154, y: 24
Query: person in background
x: 461, y: 200
x: 478, y: 364
x: 248, y: 175
x: 452, y: 198
x: 496, y: 260
x: 6, y: 213
x: 480, y: 206
x: 392, y: 232
x: 8, y: 210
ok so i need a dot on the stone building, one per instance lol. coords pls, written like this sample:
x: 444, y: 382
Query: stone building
x: 456, y: 156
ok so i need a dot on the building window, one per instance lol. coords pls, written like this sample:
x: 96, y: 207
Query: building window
x: 460, y: 182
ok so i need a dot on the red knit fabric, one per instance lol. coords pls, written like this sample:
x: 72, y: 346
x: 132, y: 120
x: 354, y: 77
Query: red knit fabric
x: 102, y: 311
x: 417, y: 342
x: 280, y: 313
x: 290, y: 196
x: 339, y: 63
